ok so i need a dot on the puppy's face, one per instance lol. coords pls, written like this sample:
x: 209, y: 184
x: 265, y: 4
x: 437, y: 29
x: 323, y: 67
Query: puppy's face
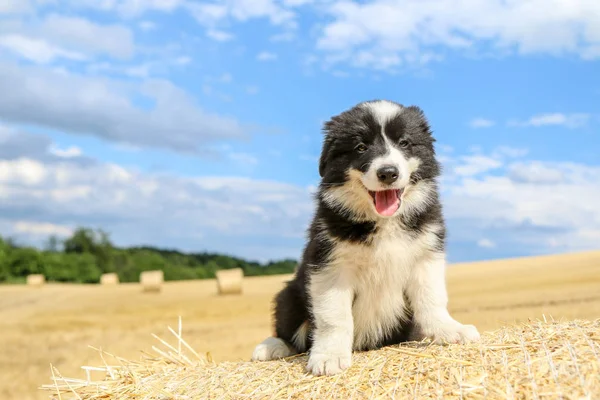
x: 373, y: 155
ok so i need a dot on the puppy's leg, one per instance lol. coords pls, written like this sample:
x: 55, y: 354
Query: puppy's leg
x: 429, y: 300
x: 290, y: 315
x: 272, y: 348
x: 331, y: 295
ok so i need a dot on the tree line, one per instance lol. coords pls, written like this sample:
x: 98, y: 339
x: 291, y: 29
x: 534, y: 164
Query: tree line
x: 87, y: 254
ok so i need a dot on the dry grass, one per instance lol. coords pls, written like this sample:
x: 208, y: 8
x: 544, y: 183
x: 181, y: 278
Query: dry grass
x: 543, y: 359
x: 55, y: 324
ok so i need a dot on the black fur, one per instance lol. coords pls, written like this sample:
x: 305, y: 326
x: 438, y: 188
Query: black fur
x: 343, y: 133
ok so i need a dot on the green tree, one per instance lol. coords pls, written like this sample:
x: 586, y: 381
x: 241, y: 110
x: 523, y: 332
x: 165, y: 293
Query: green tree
x: 53, y: 244
x: 97, y: 243
x: 24, y: 261
x: 4, y: 265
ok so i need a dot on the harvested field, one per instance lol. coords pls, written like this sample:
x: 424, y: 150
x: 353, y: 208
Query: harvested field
x: 58, y: 322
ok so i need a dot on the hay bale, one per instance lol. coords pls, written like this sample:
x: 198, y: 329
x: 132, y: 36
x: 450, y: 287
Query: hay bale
x: 110, y: 278
x: 229, y: 281
x: 36, y: 280
x: 152, y: 280
x: 543, y: 359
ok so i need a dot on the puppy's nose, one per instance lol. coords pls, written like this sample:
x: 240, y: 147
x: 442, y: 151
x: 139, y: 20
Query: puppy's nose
x: 387, y: 174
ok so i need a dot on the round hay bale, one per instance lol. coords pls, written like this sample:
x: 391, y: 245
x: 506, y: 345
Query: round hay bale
x: 110, y: 278
x: 229, y: 281
x: 152, y: 280
x: 36, y: 280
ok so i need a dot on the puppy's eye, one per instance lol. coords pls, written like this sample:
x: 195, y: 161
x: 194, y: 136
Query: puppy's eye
x: 404, y: 143
x: 361, y: 148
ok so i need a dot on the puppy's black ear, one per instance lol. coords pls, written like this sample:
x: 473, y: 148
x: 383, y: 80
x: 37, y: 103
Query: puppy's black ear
x: 327, y: 143
x: 420, y: 119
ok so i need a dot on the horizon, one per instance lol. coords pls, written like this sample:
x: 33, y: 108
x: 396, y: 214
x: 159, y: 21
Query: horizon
x: 196, y: 126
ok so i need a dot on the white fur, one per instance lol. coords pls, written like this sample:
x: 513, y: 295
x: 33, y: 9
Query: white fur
x: 271, y: 349
x: 428, y: 296
x: 300, y: 337
x: 375, y: 276
x: 331, y: 295
x: 384, y: 110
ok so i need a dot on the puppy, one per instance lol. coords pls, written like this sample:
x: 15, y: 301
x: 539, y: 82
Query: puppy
x: 372, y: 273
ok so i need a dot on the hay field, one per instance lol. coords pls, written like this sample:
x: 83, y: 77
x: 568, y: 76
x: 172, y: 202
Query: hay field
x: 56, y: 323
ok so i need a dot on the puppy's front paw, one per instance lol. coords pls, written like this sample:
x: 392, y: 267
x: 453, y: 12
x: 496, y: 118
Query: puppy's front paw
x: 452, y: 332
x: 328, y: 364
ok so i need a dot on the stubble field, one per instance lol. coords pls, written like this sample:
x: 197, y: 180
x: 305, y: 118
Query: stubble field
x: 56, y: 323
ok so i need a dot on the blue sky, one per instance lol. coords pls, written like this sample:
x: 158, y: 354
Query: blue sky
x: 196, y: 125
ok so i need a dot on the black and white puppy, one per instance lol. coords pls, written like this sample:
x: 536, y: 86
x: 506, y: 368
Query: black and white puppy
x: 373, y: 271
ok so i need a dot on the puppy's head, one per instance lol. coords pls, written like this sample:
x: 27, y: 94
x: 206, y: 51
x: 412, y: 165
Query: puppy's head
x: 377, y: 159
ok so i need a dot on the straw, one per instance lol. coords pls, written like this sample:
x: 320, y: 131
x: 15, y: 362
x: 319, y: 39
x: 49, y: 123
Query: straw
x: 542, y: 359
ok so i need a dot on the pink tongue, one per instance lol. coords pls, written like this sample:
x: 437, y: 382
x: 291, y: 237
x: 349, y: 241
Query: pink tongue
x: 386, y: 202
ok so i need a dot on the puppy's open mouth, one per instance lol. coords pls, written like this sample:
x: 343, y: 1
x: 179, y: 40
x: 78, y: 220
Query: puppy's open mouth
x: 386, y: 202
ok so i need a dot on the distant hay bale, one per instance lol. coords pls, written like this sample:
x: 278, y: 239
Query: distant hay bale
x: 229, y: 281
x: 109, y: 279
x: 36, y: 280
x: 152, y: 280
x: 541, y: 359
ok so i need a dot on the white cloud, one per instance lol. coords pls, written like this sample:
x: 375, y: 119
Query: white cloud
x: 23, y: 170
x: 106, y: 108
x: 128, y: 8
x: 137, y: 7
x: 214, y: 15
x: 540, y: 206
x: 386, y: 34
x: 486, y: 243
x: 297, y: 3
x: 41, y: 228
x: 69, y: 152
x: 266, y: 56
x: 535, y: 172
x: 71, y: 38
x: 219, y: 35
x: 233, y: 214
x: 37, y: 50
x: 476, y: 164
x: 572, y: 121
x: 14, y: 6
x: 481, y: 123
x: 147, y: 26
x: 16, y: 144
x: 79, y: 33
x: 143, y: 71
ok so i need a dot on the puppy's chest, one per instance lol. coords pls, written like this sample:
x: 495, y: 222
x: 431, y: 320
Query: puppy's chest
x: 379, y: 275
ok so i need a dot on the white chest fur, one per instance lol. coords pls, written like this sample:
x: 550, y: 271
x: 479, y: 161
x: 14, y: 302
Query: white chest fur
x: 378, y: 274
